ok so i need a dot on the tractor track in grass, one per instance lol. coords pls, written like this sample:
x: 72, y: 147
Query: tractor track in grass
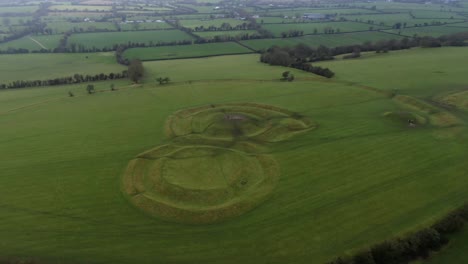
x: 38, y: 43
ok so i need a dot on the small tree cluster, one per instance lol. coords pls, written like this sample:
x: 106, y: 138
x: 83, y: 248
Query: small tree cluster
x: 287, y: 76
x: 298, y: 57
x: 90, y: 89
x: 162, y: 80
x: 135, y: 70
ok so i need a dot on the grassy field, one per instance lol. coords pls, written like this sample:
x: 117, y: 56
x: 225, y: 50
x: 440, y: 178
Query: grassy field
x: 213, y: 22
x: 61, y: 27
x: 19, y: 9
x: 310, y: 28
x: 392, y: 19
x: 79, y: 8
x: 33, y: 42
x: 232, y: 33
x: 433, y: 31
x: 342, y: 186
x: 145, y: 26
x: 185, y: 51
x: 300, y: 11
x: 108, y: 39
x: 38, y: 66
x: 330, y: 40
x: 417, y: 64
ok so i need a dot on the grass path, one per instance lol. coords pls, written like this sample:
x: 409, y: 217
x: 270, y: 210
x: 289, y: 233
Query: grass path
x: 38, y: 43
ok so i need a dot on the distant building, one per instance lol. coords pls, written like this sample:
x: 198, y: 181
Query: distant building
x: 317, y: 16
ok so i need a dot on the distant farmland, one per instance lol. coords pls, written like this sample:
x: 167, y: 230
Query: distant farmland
x: 107, y: 40
x: 185, y: 51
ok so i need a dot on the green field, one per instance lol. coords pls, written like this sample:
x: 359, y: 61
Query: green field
x: 330, y: 40
x: 19, y: 9
x: 211, y: 156
x: 392, y: 19
x: 144, y: 26
x: 298, y: 12
x: 33, y: 42
x: 108, y: 39
x: 231, y: 33
x: 436, y: 14
x: 433, y: 31
x: 421, y: 64
x: 61, y: 27
x: 185, y: 51
x: 38, y: 66
x: 310, y: 28
x: 212, y: 22
x: 84, y: 8
x: 341, y: 186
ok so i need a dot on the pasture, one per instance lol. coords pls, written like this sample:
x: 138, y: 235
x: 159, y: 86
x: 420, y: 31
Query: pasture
x: 38, y: 66
x: 84, y: 8
x: 109, y: 39
x: 433, y: 31
x: 18, y: 9
x: 421, y: 64
x: 392, y: 19
x: 33, y: 43
x: 185, y: 51
x: 144, y: 26
x: 330, y: 40
x: 211, y: 22
x: 231, y: 33
x: 61, y: 27
x: 318, y: 28
x: 344, y: 185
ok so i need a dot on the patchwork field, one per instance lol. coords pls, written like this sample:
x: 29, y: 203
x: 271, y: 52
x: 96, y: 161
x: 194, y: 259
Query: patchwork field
x: 108, y: 39
x: 185, y: 51
x: 319, y: 28
x: 211, y: 22
x: 344, y: 163
x: 433, y: 31
x: 61, y: 27
x: 330, y: 40
x: 230, y: 33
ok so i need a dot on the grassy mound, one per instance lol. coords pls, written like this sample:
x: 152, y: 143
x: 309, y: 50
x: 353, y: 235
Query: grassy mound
x: 436, y: 116
x: 228, y: 122
x: 198, y: 184
x: 406, y: 118
x: 459, y: 100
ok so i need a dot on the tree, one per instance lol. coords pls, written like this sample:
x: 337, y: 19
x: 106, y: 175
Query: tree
x: 90, y: 89
x: 135, y: 70
x: 164, y: 80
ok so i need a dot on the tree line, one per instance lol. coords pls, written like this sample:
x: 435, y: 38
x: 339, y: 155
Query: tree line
x: 298, y: 57
x: 301, y: 55
x: 77, y: 78
x: 412, y: 246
